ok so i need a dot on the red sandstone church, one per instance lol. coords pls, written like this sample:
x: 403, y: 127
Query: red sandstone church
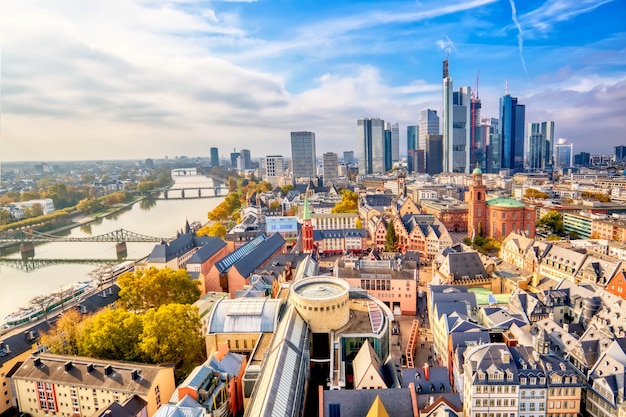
x: 496, y: 217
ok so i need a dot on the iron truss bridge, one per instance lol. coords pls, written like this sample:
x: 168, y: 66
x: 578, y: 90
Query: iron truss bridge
x: 120, y: 235
x: 29, y: 265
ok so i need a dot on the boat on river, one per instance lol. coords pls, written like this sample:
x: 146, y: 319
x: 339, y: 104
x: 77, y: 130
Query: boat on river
x: 35, y: 311
x: 117, y: 270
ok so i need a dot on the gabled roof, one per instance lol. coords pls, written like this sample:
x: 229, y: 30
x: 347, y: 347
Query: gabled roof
x: 259, y: 254
x: 209, y: 249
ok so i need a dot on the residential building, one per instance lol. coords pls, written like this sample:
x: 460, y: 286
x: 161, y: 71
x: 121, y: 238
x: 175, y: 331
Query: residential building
x: 512, y: 123
x: 371, y: 145
x: 77, y: 386
x: 303, y: 155
x: 452, y: 213
x: 422, y: 233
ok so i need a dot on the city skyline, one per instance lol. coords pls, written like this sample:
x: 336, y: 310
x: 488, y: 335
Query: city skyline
x: 136, y: 79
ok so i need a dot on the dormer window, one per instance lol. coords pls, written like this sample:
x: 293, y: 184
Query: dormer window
x: 522, y: 381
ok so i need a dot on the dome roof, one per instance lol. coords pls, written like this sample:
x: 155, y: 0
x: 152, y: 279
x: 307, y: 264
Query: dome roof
x: 505, y: 202
x: 477, y: 171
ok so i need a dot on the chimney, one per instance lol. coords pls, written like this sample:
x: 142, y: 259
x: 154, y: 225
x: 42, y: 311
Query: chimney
x: 37, y: 362
x: 505, y: 356
x: 135, y: 374
x: 7, y: 349
x: 90, y: 368
x: 222, y: 350
x: 68, y: 366
x: 426, y: 371
x: 108, y: 370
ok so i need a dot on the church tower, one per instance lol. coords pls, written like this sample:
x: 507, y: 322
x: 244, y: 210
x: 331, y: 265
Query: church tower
x: 307, y: 229
x: 477, y: 206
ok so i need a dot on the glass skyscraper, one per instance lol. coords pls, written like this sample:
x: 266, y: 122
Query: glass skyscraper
x: 215, y: 157
x: 563, y: 153
x: 371, y: 145
x: 512, y: 123
x: 303, y: 163
x: 411, y: 137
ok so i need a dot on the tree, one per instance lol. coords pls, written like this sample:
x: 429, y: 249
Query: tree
x: 112, y: 334
x: 35, y: 210
x: 552, y: 221
x: 145, y: 187
x: 359, y: 223
x: 152, y: 288
x: 217, y: 230
x: 391, y: 240
x: 89, y: 205
x: 286, y: 188
x: 349, y: 203
x: 232, y: 184
x: 30, y: 195
x: 43, y: 302
x: 173, y: 334
x: 533, y: 193
x: 65, y: 336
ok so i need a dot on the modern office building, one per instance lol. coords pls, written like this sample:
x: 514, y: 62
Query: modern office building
x: 303, y: 163
x: 215, y: 157
x: 620, y: 153
x: 447, y: 118
x: 330, y: 168
x: 348, y: 157
x: 540, y: 145
x: 512, y: 123
x: 493, y: 150
x: 371, y: 145
x: 582, y: 159
x: 456, y: 125
x: 477, y: 138
x: 434, y: 154
x: 246, y: 160
x: 563, y: 153
x: 388, y: 150
x: 412, y: 135
x: 394, y: 128
x: 428, y: 124
x: 234, y: 159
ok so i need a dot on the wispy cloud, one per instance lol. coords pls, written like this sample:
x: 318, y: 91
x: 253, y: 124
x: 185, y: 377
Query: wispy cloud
x: 552, y: 12
x: 520, y: 36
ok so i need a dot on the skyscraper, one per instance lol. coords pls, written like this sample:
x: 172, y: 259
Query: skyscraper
x: 388, y: 149
x: 330, y: 168
x: 412, y: 134
x: 303, y: 155
x: 477, y: 142
x: 428, y: 125
x: 234, y: 158
x: 215, y: 157
x: 274, y: 165
x: 563, y: 153
x: 540, y: 145
x: 512, y: 122
x: 447, y: 119
x: 434, y: 154
x: 620, y: 153
x: 461, y: 130
x: 582, y: 159
x: 246, y: 160
x: 348, y: 157
x: 371, y: 145
x: 395, y: 142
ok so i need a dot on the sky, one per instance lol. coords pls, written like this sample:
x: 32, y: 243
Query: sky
x: 136, y: 79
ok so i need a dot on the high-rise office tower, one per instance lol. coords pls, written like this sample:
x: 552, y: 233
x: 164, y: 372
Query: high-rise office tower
x: 303, y: 163
x: 512, y: 123
x: 412, y: 134
x: 434, y: 154
x: 547, y: 128
x: 388, y: 150
x: 245, y: 159
x: 461, y: 130
x: 620, y: 153
x: 371, y: 145
x: 348, y: 157
x: 477, y: 142
x: 428, y: 125
x: 215, y: 157
x: 539, y: 147
x: 395, y: 142
x: 330, y: 168
x: 563, y: 152
x: 447, y: 118
x: 234, y: 158
x: 493, y: 150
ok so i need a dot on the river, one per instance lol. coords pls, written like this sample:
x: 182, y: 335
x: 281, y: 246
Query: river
x: 159, y: 218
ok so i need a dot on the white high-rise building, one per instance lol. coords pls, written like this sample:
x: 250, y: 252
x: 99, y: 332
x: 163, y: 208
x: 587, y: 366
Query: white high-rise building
x: 274, y: 165
x: 395, y: 142
x: 447, y: 119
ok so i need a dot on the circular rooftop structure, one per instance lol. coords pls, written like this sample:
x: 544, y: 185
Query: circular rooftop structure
x: 323, y: 302
x: 505, y: 202
x: 477, y: 170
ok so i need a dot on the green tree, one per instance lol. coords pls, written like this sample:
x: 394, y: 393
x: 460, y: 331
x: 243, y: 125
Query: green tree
x: 391, y: 240
x: 217, y: 230
x: 286, y: 188
x: 34, y: 211
x: 152, y: 288
x: 89, y: 205
x: 349, y: 203
x: 552, y: 222
x: 112, y: 334
x: 5, y: 217
x: 30, y: 195
x: 145, y: 187
x: 172, y: 334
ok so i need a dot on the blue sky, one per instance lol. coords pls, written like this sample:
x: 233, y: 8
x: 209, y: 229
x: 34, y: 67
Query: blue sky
x: 149, y: 78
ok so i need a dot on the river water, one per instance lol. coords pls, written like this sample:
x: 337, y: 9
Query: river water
x: 159, y: 218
